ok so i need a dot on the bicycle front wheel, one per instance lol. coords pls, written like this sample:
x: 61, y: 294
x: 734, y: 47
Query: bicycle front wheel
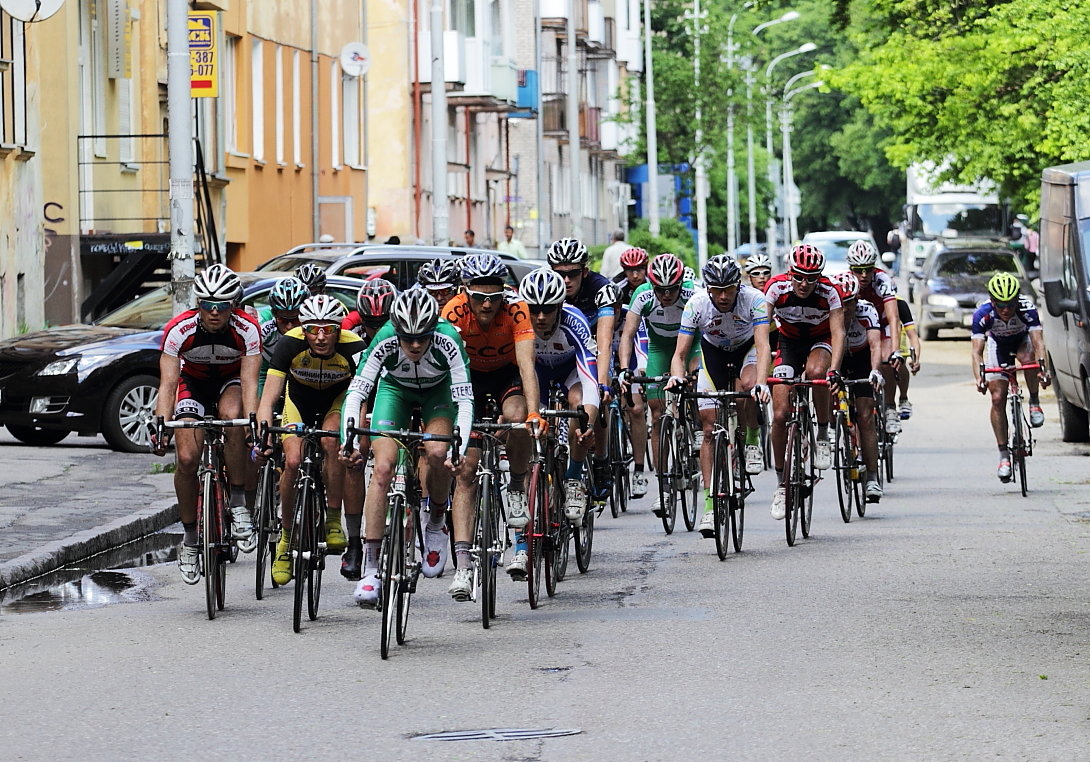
x: 391, y: 576
x: 668, y: 471
x: 619, y: 459
x: 206, y: 508
x: 721, y: 495
x: 809, y: 474
x: 535, y: 533
x: 689, y: 475
x: 741, y: 489
x: 584, y: 539
x: 412, y: 540
x: 265, y: 510
x: 316, y: 565
x: 1018, y: 445
x: 485, y: 561
x: 843, y: 467
x: 792, y: 482
x: 301, y: 541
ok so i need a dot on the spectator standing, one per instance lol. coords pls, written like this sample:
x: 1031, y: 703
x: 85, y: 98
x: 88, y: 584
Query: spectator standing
x: 510, y: 244
x: 471, y: 237
x: 611, y: 257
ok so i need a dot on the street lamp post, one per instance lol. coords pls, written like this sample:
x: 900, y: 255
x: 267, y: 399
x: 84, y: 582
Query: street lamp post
x: 698, y: 140
x: 773, y: 178
x: 652, y: 136
x: 790, y: 203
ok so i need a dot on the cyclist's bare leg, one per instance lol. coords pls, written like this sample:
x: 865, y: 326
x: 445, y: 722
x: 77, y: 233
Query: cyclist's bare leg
x: 332, y: 467
x: 889, y: 373
x: 374, y: 509
x: 903, y: 379
x: 868, y: 436
x: 637, y: 426
x: 187, y: 448
x: 707, y: 422
x: 577, y: 447
x: 747, y: 409
x: 234, y: 450
x: 781, y: 404
x: 817, y: 365
x: 464, y: 504
x: 435, y: 477
x: 1033, y: 380
x: 518, y: 440
x: 293, y: 456
x: 997, y: 390
x: 656, y: 407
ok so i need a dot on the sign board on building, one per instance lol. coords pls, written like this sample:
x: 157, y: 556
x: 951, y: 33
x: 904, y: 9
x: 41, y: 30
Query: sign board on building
x: 203, y: 54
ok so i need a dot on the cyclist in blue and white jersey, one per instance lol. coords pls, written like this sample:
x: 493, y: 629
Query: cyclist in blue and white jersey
x: 1006, y: 328
x: 730, y: 321
x: 633, y: 275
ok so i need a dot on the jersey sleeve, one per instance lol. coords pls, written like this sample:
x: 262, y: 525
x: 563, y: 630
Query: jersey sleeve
x: 461, y: 389
x: 287, y: 347
x: 904, y: 314
x: 981, y: 322
x: 521, y: 328
x: 690, y: 316
x: 586, y: 361
x: 248, y: 328
x: 1029, y: 315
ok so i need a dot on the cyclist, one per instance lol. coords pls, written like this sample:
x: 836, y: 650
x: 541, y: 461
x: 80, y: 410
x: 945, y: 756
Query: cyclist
x: 499, y: 340
x: 808, y: 313
x: 595, y: 296
x: 208, y: 366
x: 372, y: 309
x: 311, y: 368
x: 759, y: 271
x: 565, y: 353
x: 910, y: 348
x: 730, y: 321
x: 633, y: 275
x: 877, y: 287
x: 1006, y: 328
x: 415, y: 359
x: 313, y: 276
x: 659, y: 303
x: 862, y: 360
x: 441, y: 278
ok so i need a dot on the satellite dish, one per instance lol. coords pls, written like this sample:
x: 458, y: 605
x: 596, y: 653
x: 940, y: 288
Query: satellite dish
x: 31, y: 10
x: 355, y: 59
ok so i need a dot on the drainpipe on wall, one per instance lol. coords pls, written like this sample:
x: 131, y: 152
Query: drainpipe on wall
x: 440, y: 230
x: 418, y: 105
x: 314, y: 167
x: 469, y: 174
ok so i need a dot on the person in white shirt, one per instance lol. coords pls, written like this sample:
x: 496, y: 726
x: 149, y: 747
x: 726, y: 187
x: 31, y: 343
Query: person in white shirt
x: 611, y: 257
x: 511, y: 245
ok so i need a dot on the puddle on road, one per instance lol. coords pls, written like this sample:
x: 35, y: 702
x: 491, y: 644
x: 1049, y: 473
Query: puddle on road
x: 109, y: 577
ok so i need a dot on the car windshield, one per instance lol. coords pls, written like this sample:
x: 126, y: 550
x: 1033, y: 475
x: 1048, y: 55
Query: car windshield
x: 975, y: 263
x: 149, y: 312
x: 834, y: 249
x: 288, y: 264
x: 965, y: 219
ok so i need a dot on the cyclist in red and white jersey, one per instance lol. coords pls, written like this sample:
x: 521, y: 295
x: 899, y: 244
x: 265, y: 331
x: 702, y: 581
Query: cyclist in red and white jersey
x: 372, y: 309
x: 808, y: 313
x: 877, y: 287
x: 209, y: 365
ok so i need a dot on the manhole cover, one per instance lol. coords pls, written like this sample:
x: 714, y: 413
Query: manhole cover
x: 499, y: 734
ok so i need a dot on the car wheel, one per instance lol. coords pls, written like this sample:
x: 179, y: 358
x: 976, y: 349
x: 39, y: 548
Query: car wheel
x: 127, y: 410
x: 38, y: 437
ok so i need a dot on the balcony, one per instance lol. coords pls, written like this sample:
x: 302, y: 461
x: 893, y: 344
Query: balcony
x: 454, y: 58
x: 491, y: 82
x: 606, y: 48
x: 554, y: 15
x: 554, y: 118
x: 590, y: 123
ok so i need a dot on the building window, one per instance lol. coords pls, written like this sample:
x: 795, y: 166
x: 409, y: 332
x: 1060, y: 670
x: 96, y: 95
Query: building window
x: 257, y: 98
x: 335, y: 115
x: 463, y: 17
x: 13, y: 130
x: 351, y: 88
x: 279, y: 106
x: 296, y: 109
x: 229, y: 95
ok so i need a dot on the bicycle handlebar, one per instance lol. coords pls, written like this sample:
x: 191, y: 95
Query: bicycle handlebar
x: 353, y: 431
x: 775, y: 381
x: 1007, y: 369
x: 204, y: 423
x: 717, y: 395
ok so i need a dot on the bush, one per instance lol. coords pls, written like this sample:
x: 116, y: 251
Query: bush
x: 673, y: 238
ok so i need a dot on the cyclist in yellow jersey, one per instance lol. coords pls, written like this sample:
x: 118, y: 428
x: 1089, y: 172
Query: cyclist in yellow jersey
x: 910, y: 348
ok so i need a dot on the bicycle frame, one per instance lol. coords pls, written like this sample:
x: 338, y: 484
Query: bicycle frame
x: 1019, y: 432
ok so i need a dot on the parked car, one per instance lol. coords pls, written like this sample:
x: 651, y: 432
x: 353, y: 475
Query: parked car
x: 102, y: 378
x: 953, y: 283
x: 834, y: 244
x: 396, y: 263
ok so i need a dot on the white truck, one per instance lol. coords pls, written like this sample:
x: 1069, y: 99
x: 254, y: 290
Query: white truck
x: 936, y: 211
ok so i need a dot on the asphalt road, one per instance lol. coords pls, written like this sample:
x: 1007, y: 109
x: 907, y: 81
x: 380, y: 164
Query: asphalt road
x: 951, y: 623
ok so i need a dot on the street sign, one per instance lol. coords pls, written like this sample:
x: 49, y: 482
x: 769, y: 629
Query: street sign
x: 204, y: 77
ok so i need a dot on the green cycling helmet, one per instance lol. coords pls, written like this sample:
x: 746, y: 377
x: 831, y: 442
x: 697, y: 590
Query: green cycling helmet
x: 1004, y: 287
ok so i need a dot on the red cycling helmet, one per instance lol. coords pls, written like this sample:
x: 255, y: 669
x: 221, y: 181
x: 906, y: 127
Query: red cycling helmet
x: 846, y: 283
x: 807, y: 260
x: 634, y: 257
x: 666, y: 270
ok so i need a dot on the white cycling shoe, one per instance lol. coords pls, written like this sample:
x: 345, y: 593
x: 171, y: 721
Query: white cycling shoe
x: 368, y: 590
x: 779, y: 503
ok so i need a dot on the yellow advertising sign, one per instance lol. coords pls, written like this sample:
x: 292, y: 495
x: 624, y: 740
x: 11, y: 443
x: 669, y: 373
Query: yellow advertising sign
x: 204, y: 77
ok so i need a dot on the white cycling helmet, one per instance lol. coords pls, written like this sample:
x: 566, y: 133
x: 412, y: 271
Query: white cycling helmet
x: 217, y: 283
x: 483, y: 267
x: 542, y: 286
x: 862, y: 254
x: 414, y: 312
x: 322, y: 308
x: 567, y: 251
x: 758, y: 262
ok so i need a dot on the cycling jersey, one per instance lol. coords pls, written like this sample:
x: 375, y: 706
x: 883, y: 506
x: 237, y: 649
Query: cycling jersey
x: 354, y: 322
x: 879, y: 291
x: 865, y: 319
x: 800, y: 318
x: 490, y: 348
x: 445, y: 365
x: 586, y: 298
x: 987, y: 323
x: 569, y: 356
x: 728, y: 330
x: 314, y: 384
x: 211, y: 356
x: 662, y: 322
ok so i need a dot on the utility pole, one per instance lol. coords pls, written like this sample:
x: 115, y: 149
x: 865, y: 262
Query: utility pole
x: 544, y: 232
x: 701, y: 174
x: 440, y: 205
x: 574, y: 154
x: 652, y: 136
x: 180, y: 147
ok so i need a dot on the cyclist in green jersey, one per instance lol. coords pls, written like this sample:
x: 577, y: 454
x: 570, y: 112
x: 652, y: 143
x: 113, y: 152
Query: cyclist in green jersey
x: 415, y: 359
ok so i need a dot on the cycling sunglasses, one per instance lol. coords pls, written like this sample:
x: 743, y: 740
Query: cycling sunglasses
x: 414, y: 338
x: 569, y: 274
x: 543, y: 309
x: 286, y: 317
x: 211, y: 306
x: 800, y: 278
x: 861, y: 268
x: 373, y: 322
x: 1005, y: 305
x: 438, y: 291
x: 485, y: 296
x: 322, y: 330
x: 667, y: 289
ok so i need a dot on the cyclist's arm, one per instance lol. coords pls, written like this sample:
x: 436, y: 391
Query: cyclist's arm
x: 628, y: 335
x: 874, y: 344
x: 170, y: 371
x: 251, y: 366
x: 836, y: 338
x: 275, y: 383
x: 913, y: 337
x: 764, y: 351
x: 525, y: 358
x: 1037, y: 342
x: 603, y: 331
x: 893, y: 317
x: 978, y: 356
x: 681, y: 353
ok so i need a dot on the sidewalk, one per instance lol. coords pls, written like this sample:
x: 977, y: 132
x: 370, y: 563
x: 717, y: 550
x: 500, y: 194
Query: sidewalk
x: 59, y: 505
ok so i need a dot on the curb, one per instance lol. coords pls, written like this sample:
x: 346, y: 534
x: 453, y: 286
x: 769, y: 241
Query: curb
x: 81, y: 546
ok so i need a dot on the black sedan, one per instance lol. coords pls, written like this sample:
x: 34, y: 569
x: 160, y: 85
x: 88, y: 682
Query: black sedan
x: 102, y: 378
x: 952, y: 283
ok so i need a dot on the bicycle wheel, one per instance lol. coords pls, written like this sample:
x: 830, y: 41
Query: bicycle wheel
x: 619, y: 460
x: 843, y: 466
x: 485, y: 560
x: 669, y: 467
x: 584, y: 539
x: 301, y: 531
x: 860, y: 470
x: 792, y: 482
x: 264, y: 510
x: 721, y: 494
x: 688, y: 475
x: 412, y: 546
x: 1018, y: 445
x: 317, y: 558
x: 391, y: 575
x: 535, y: 533
x: 742, y: 488
x: 225, y: 543
x: 550, y: 545
x: 809, y: 474
x: 880, y: 438
x: 206, y: 510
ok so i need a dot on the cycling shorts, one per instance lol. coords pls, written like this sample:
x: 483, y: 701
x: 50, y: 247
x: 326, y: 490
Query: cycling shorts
x: 567, y: 375
x: 856, y: 368
x: 197, y: 398
x: 309, y: 413
x: 996, y: 354
x: 659, y: 357
x: 714, y: 374
x: 393, y: 405
x: 497, y: 384
x: 791, y: 362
